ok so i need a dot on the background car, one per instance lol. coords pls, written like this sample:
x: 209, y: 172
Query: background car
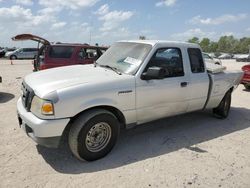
x: 2, y: 53
x: 225, y: 56
x: 22, y: 53
x: 246, y: 78
x: 62, y: 54
x: 243, y: 58
x: 209, y: 59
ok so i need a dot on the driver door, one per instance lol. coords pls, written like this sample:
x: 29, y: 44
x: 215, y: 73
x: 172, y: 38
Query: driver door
x: 158, y: 98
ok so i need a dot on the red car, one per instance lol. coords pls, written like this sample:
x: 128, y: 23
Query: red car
x: 61, y: 54
x: 246, y: 78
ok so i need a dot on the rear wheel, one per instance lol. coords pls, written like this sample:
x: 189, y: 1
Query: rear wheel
x: 223, y: 109
x: 93, y: 134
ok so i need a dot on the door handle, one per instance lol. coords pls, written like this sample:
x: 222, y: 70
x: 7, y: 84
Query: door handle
x: 184, y: 84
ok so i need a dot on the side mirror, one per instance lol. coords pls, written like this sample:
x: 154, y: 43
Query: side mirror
x: 154, y: 73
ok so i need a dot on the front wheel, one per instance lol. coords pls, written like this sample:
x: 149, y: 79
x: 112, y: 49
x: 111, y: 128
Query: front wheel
x: 12, y: 57
x: 93, y: 134
x: 223, y: 109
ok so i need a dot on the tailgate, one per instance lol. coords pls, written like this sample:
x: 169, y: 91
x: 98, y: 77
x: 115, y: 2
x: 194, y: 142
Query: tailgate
x: 22, y: 37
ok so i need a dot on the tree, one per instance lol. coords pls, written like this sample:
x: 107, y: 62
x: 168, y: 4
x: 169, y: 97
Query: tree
x: 142, y: 37
x: 244, y: 46
x: 213, y: 47
x: 194, y: 40
x: 226, y: 44
x: 205, y: 44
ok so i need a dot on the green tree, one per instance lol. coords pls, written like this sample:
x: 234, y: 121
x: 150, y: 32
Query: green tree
x: 142, y: 37
x: 194, y: 40
x: 227, y: 44
x: 244, y: 45
x: 205, y: 44
x: 213, y: 47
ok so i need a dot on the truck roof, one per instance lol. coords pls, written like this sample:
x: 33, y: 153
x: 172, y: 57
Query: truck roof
x: 155, y: 42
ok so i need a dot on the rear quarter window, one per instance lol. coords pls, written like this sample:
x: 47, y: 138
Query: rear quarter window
x: 61, y: 52
x: 196, y: 60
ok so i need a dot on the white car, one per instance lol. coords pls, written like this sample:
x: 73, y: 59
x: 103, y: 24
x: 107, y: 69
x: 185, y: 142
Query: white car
x: 209, y: 59
x: 225, y: 56
x: 22, y: 53
x: 133, y: 82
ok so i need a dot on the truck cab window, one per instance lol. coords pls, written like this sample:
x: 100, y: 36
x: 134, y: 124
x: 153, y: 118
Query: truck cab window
x: 196, y: 60
x: 169, y: 59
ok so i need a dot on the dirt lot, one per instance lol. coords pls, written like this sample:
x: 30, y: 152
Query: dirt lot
x: 191, y: 150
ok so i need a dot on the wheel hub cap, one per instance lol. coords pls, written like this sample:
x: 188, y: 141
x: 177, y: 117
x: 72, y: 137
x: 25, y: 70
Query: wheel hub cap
x: 98, y: 137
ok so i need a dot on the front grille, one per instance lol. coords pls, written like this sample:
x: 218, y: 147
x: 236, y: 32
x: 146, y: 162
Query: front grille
x: 27, y: 96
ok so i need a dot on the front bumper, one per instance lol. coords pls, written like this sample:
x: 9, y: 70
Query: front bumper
x: 44, y: 132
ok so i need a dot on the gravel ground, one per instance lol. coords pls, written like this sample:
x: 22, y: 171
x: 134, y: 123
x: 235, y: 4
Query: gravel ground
x: 191, y: 150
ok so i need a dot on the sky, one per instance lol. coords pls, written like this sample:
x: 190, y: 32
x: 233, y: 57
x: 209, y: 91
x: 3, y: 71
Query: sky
x: 106, y: 21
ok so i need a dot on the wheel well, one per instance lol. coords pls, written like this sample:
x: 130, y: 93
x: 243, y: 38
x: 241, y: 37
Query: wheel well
x: 13, y: 56
x: 119, y: 115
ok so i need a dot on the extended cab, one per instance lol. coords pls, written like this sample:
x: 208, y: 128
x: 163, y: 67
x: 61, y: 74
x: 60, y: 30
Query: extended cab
x: 132, y: 83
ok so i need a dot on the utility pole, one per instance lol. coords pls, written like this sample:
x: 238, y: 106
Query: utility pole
x: 90, y: 30
x: 90, y: 37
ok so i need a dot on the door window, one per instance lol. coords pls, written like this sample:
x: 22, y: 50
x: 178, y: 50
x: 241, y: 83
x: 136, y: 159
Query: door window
x: 196, y: 60
x: 169, y: 59
x: 61, y: 52
x: 26, y: 50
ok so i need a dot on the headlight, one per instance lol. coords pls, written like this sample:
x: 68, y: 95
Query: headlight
x: 40, y: 106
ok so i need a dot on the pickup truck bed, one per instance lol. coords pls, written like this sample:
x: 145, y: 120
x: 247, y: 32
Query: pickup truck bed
x: 219, y: 84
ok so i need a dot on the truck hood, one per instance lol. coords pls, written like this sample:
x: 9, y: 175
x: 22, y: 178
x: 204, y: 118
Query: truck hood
x: 50, y: 80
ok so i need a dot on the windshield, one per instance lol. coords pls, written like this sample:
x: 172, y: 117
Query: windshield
x: 125, y: 56
x: 19, y: 50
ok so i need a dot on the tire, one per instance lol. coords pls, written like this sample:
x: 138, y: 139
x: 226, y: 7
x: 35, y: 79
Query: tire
x: 87, y: 129
x: 12, y: 57
x: 217, y: 63
x: 223, y: 109
x: 247, y: 86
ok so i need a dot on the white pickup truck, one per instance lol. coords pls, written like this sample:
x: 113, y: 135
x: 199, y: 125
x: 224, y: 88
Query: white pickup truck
x: 132, y: 83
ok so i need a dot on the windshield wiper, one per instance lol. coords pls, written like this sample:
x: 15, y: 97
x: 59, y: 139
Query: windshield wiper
x: 112, y: 68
